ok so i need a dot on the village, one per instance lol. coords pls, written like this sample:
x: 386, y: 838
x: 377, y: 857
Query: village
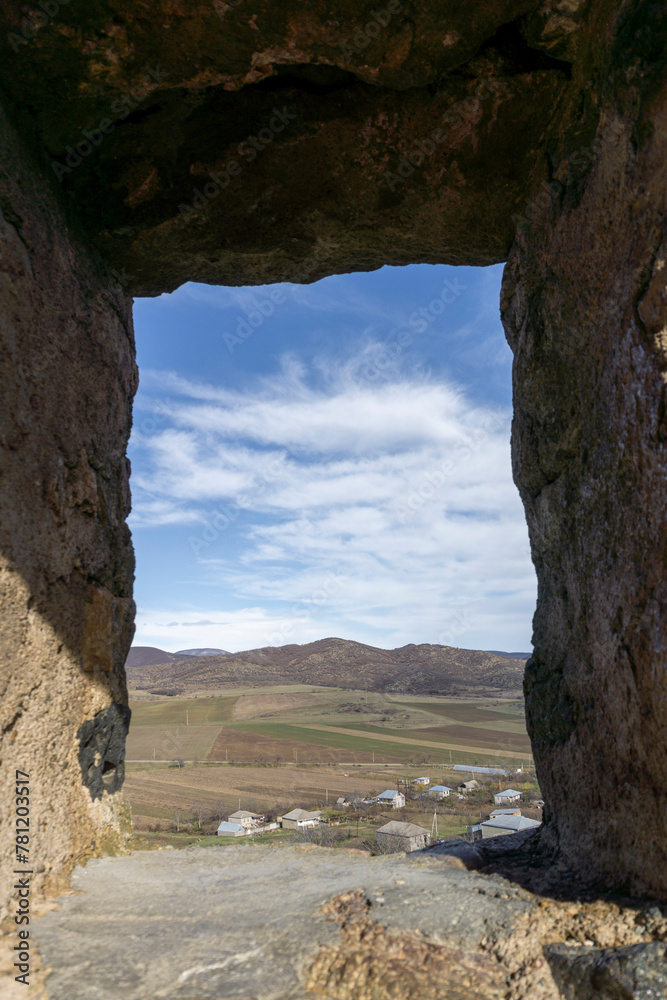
x: 391, y: 820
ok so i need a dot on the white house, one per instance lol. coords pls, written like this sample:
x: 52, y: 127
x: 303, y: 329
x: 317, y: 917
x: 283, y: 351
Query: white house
x: 300, y: 819
x: 246, y: 818
x: 506, y: 797
x: 439, y: 791
x: 227, y: 829
x: 422, y: 781
x: 507, y: 824
x: 391, y: 797
x: 468, y: 786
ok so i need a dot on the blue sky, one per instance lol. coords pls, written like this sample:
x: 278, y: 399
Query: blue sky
x: 328, y: 459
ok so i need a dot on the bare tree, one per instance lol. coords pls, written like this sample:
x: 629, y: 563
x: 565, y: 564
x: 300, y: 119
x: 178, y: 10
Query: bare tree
x: 198, y: 811
x: 178, y: 819
x: 177, y: 762
x: 220, y: 811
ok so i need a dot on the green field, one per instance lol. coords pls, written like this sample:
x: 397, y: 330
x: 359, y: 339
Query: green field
x: 479, y: 736
x: 405, y: 747
x: 178, y: 711
x: 472, y: 715
x: 167, y: 742
x: 300, y: 734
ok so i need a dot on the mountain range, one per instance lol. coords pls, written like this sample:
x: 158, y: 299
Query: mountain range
x: 414, y: 669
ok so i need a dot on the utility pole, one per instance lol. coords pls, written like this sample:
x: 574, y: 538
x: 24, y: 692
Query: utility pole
x: 153, y: 753
x: 374, y: 756
x: 187, y: 723
x: 327, y: 795
x: 434, y: 824
x: 226, y: 754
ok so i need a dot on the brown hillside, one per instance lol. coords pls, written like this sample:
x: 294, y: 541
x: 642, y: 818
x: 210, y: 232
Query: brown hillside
x: 339, y: 663
x: 147, y: 656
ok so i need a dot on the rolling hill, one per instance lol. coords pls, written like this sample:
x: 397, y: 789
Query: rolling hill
x: 146, y: 656
x: 411, y: 669
x: 201, y: 652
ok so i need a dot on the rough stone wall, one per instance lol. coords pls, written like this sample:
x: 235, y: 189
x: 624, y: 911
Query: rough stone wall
x: 549, y: 119
x: 585, y: 309
x: 66, y: 611
x: 240, y: 143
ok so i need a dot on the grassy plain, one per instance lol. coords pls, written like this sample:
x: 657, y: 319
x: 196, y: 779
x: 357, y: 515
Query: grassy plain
x: 184, y: 711
x: 168, y: 742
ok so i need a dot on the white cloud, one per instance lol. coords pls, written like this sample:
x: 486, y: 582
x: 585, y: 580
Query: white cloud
x: 159, y: 512
x: 248, y: 628
x: 399, y: 492
x: 350, y: 417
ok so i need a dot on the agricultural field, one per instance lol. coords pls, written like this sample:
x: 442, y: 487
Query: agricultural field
x: 327, y: 725
x: 157, y: 742
x: 270, y: 749
x: 183, y: 711
x: 157, y: 791
x: 495, y: 740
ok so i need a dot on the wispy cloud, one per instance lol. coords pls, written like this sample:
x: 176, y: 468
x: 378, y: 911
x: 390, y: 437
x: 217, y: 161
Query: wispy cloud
x: 401, y: 491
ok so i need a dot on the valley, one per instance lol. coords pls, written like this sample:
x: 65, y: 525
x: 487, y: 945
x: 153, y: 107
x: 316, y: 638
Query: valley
x: 272, y: 748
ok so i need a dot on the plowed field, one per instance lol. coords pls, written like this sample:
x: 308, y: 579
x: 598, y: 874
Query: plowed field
x: 236, y: 744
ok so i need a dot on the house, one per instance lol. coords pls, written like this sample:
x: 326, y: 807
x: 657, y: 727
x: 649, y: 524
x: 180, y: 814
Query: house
x: 507, y: 824
x: 342, y: 803
x: 246, y: 819
x: 512, y: 811
x: 300, y: 819
x: 227, y: 829
x: 507, y: 796
x: 468, y: 786
x: 422, y: 781
x: 395, y: 836
x: 391, y: 797
x: 439, y: 792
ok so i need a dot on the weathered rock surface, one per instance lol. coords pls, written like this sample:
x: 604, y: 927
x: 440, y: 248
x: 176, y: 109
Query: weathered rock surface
x: 585, y: 310
x: 288, y: 923
x: 68, y: 376
x: 317, y: 122
x: 610, y: 974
